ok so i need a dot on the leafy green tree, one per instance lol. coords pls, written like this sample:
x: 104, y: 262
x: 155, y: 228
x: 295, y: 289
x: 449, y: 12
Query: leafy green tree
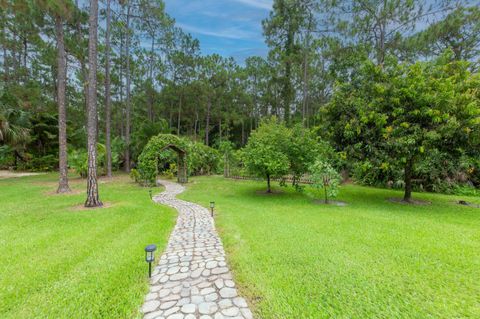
x: 265, y: 153
x: 301, y: 152
x: 404, y: 112
x: 325, y: 177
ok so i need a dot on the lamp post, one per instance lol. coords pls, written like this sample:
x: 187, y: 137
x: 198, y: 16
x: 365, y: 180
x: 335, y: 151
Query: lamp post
x: 150, y: 257
x: 212, y: 206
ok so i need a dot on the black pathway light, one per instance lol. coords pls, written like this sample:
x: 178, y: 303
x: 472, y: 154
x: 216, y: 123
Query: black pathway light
x: 212, y: 206
x: 150, y: 257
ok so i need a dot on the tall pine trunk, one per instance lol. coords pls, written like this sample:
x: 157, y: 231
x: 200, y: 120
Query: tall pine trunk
x: 128, y: 106
x: 408, y: 180
x: 150, y: 87
x: 179, y: 118
x: 93, y: 199
x: 269, y: 188
x: 62, y: 112
x: 108, y: 112
x: 207, y: 121
x: 5, y: 57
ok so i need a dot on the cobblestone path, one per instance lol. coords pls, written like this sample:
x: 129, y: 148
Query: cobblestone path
x: 192, y: 279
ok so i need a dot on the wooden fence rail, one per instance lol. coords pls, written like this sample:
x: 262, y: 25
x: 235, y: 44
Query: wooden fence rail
x: 289, y: 179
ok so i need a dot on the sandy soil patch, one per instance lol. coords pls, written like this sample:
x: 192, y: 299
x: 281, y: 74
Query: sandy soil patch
x: 10, y: 174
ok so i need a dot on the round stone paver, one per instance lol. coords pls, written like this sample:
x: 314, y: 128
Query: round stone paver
x: 192, y: 279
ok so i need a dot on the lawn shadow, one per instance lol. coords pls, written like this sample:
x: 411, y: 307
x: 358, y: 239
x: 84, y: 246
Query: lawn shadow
x: 330, y: 203
x: 413, y: 202
x: 81, y: 207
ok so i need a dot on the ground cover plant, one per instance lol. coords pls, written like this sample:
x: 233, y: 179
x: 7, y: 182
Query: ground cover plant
x: 370, y: 259
x: 59, y: 260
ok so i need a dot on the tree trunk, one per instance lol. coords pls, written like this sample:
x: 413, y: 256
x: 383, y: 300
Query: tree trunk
x: 207, y: 121
x: 287, y: 85
x: 5, y: 57
x: 179, y: 118
x: 325, y: 192
x: 108, y: 112
x: 92, y: 184
x: 408, y: 180
x: 243, y: 132
x: 62, y: 112
x: 195, y: 126
x: 220, y: 129
x: 150, y: 86
x: 226, y: 165
x: 25, y: 57
x: 269, y: 189
x: 81, y: 60
x: 305, y: 87
x: 170, y: 117
x: 127, y: 115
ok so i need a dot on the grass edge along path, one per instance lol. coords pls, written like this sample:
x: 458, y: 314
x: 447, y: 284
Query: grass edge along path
x: 59, y: 261
x: 370, y: 259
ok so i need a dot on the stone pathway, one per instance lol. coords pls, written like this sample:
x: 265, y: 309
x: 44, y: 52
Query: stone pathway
x: 192, y: 279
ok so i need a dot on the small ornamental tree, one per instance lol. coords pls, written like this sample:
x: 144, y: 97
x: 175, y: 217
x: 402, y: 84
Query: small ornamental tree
x: 301, y: 152
x: 265, y: 153
x: 325, y: 177
x: 226, y: 149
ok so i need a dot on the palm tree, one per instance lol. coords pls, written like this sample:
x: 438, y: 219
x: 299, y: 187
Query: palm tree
x: 93, y: 199
x: 14, y: 131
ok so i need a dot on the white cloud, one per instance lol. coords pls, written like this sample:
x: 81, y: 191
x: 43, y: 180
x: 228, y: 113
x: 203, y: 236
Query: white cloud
x: 229, y: 33
x: 262, y: 4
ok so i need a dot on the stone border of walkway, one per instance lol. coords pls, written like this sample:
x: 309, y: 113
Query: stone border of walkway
x: 192, y: 278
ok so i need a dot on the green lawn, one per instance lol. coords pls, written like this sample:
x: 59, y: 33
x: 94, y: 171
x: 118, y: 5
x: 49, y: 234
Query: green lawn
x: 372, y: 259
x: 58, y: 261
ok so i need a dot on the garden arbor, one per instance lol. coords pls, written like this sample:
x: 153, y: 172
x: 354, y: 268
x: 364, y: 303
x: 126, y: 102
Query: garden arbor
x: 149, y: 159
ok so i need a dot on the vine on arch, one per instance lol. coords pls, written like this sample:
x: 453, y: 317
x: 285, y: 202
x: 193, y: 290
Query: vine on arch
x: 148, y: 159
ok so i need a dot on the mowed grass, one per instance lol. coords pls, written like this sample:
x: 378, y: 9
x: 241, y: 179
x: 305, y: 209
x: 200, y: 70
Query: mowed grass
x: 60, y: 261
x: 372, y: 259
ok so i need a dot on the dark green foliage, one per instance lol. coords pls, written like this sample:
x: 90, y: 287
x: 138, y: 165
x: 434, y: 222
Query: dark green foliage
x: 301, y: 151
x: 78, y: 160
x: 393, y: 118
x: 159, y: 156
x: 202, y: 159
x: 265, y: 154
x: 148, y: 161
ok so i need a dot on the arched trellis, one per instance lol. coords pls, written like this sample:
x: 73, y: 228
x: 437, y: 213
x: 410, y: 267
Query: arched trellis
x: 148, y: 160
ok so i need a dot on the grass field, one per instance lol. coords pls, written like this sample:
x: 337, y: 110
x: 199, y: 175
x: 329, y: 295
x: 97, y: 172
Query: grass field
x: 372, y: 259
x: 60, y: 261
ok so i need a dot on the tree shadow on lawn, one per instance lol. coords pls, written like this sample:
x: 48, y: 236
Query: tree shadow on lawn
x: 81, y: 207
x: 358, y: 197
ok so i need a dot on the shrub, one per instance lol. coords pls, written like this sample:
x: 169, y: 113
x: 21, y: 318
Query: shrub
x: 265, y: 154
x: 202, y: 159
x: 135, y: 175
x: 325, y: 177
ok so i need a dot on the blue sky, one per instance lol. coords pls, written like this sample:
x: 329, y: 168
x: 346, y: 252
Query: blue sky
x: 227, y: 27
